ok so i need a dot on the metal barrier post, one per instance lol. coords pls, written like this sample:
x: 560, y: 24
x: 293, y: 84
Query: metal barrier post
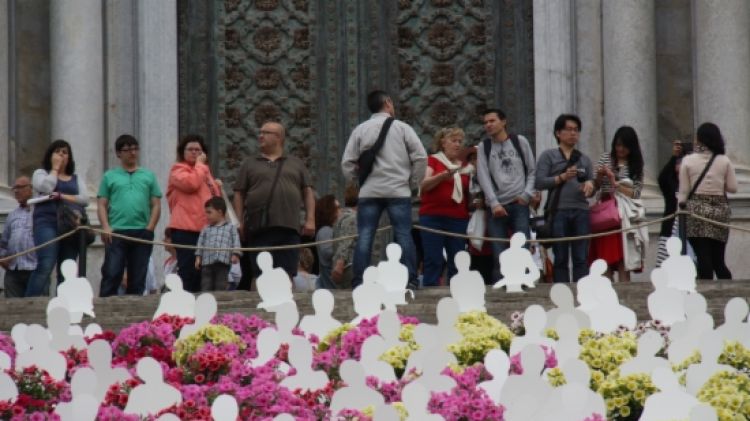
x: 682, y: 230
x: 81, y: 253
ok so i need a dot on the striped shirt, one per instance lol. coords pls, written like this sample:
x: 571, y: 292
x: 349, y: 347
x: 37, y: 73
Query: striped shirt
x: 223, y: 235
x: 621, y: 172
x: 17, y: 237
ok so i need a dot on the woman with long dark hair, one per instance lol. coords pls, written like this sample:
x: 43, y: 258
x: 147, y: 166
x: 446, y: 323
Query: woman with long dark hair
x: 57, y: 179
x: 618, y: 171
x: 706, y: 176
x: 326, y: 214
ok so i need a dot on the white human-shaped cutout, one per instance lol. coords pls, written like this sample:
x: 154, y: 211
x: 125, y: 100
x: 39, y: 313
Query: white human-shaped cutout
x: 447, y: 315
x: 58, y: 323
x: 711, y: 347
x: 283, y: 417
x: 426, y: 336
x: 274, y: 285
x: 286, y: 318
x: 393, y: 276
x: 92, y: 329
x: 386, y: 412
x: 574, y: 400
x: 672, y: 402
x: 168, y: 417
x: 703, y: 412
x: 267, y: 344
x: 497, y: 363
x: 567, y: 346
x: 177, y: 301
x: 225, y: 408
x: 205, y: 310
x: 389, y: 327
x: 74, y: 330
x: 609, y: 314
x: 84, y: 405
x: 685, y: 336
x: 100, y: 358
x: 322, y: 322
x: 522, y: 394
x: 432, y: 377
x: 734, y: 327
x: 680, y: 269
x: 415, y: 398
x: 665, y: 304
x: 586, y: 286
x: 534, y: 320
x: 301, y: 358
x: 467, y: 286
x: 8, y: 388
x: 76, y: 291
x: 646, y: 360
x: 368, y: 297
x: 562, y: 298
x: 517, y: 266
x: 372, y: 348
x: 18, y: 334
x: 154, y: 394
x: 41, y: 353
x: 356, y: 394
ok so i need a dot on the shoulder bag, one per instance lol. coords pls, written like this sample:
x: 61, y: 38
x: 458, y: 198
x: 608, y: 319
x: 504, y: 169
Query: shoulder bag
x: 542, y: 225
x: 367, y: 158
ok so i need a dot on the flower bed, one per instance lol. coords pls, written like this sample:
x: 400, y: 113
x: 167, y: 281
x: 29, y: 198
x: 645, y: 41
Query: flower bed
x: 212, y: 362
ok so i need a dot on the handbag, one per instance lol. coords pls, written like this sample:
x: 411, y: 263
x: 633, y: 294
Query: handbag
x: 476, y: 228
x: 604, y: 215
x: 70, y: 217
x: 367, y: 158
x: 257, y: 220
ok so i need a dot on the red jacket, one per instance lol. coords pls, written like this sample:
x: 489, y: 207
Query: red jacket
x: 188, y: 189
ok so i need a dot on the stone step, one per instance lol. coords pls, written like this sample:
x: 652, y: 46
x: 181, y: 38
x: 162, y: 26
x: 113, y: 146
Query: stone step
x: 117, y: 312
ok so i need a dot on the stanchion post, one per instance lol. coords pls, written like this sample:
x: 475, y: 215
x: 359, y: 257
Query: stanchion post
x: 81, y: 253
x: 682, y: 230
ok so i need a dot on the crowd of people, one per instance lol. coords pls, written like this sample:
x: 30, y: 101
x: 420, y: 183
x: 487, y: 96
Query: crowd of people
x: 496, y: 183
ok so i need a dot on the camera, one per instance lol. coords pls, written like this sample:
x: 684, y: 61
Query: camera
x: 581, y: 175
x: 686, y: 148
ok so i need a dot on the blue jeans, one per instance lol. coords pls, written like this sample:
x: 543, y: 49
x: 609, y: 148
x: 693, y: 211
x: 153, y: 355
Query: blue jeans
x: 570, y: 223
x: 121, y: 253
x: 191, y: 277
x: 504, y: 227
x: 49, y: 257
x: 368, y: 214
x: 433, y: 244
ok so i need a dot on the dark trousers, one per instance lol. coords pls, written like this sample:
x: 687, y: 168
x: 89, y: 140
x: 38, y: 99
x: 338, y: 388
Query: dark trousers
x: 483, y: 264
x: 504, y: 227
x: 710, y: 254
x: 433, y: 245
x: 285, y: 259
x: 121, y: 254
x: 191, y: 277
x: 571, y: 223
x: 214, y: 277
x: 15, y: 283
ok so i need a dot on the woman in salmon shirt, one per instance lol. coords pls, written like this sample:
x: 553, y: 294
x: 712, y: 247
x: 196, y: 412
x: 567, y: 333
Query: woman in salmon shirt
x: 445, y: 193
x: 190, y: 186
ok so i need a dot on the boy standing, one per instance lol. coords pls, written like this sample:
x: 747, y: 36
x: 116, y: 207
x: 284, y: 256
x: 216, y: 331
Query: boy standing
x: 129, y: 203
x: 214, y: 265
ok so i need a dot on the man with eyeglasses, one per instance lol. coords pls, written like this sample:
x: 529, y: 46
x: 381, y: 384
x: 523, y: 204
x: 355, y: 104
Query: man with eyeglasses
x: 17, y: 237
x: 129, y: 203
x: 568, y: 174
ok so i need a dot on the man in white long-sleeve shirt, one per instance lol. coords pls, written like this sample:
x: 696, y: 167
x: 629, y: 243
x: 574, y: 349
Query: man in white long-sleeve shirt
x: 399, y: 166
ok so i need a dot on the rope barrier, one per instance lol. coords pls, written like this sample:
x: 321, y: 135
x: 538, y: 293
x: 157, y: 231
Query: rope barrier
x: 353, y: 236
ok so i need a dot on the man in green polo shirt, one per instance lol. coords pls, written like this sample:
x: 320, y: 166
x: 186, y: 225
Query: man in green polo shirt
x: 129, y: 202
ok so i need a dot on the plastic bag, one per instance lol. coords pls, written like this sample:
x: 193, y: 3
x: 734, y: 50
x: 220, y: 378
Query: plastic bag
x: 476, y: 228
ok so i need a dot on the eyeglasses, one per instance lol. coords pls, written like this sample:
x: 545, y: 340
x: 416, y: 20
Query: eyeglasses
x: 571, y: 130
x: 126, y: 150
x: 19, y: 187
x: 194, y: 149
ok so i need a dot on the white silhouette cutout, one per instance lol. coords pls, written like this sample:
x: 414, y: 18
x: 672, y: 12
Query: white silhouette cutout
x: 609, y: 315
x: 734, y: 327
x: 562, y: 298
x: 393, y: 276
x: 703, y: 412
x: 386, y: 412
x: 415, y: 398
x: 100, y: 358
x: 574, y: 400
x: 426, y: 337
x: 467, y: 286
x: 671, y: 403
x: 711, y: 347
x: 301, y: 358
x: 587, y: 286
x: 534, y: 320
x: 685, y: 336
x: 680, y: 269
x: 322, y: 322
x: 447, y: 314
x: 274, y: 285
x: 497, y: 363
x: 225, y: 408
x: 389, y: 327
x: 177, y: 301
x: 432, y: 378
x: 665, y: 304
x: 92, y: 329
x: 267, y: 344
x: 41, y: 354
x: 286, y: 319
x: 84, y: 405
x: 205, y: 310
x: 58, y: 324
x: 283, y: 417
x: 372, y: 348
x: 356, y: 394
x: 522, y: 394
x: 646, y: 360
x: 8, y: 388
x: 168, y: 417
x: 368, y: 297
x: 567, y: 346
x: 153, y: 395
x: 76, y: 292
x: 517, y: 266
x: 18, y: 334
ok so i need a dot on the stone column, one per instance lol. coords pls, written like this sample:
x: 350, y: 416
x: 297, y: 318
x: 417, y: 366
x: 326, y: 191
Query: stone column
x: 77, y: 83
x: 589, y: 94
x: 5, y: 86
x: 554, y: 67
x: 721, y: 31
x: 629, y: 56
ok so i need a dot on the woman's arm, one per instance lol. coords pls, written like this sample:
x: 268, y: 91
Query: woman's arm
x: 188, y: 179
x: 432, y: 180
x: 44, y: 182
x: 730, y: 179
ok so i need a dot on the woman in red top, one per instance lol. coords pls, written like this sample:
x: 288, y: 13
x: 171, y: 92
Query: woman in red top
x: 190, y: 185
x: 445, y: 193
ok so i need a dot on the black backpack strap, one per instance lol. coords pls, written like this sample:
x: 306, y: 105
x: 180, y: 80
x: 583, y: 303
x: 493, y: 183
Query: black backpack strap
x: 487, y: 145
x: 517, y: 145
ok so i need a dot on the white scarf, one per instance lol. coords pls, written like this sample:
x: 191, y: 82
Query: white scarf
x: 458, y: 190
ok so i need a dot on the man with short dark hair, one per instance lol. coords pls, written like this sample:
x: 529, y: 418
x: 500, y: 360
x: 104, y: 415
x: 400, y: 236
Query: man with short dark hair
x: 399, y: 166
x: 129, y: 203
x: 506, y: 171
x: 567, y: 172
x: 17, y: 237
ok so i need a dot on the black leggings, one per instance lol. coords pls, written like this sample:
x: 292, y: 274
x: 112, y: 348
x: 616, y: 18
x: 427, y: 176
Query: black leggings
x: 710, y: 255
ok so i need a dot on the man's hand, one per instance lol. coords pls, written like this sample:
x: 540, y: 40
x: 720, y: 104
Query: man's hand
x: 499, y: 211
x: 198, y: 262
x: 308, y: 230
x: 337, y: 272
x: 521, y: 201
x: 107, y: 235
x: 569, y: 173
x: 588, y: 188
